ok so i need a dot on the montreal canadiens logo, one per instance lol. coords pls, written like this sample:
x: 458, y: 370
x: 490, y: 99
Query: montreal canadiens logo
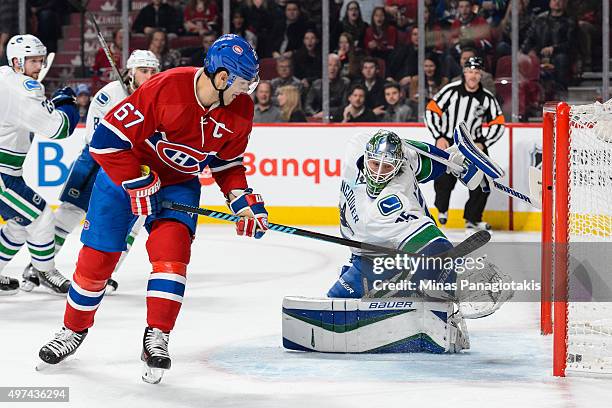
x: 237, y: 49
x: 180, y: 157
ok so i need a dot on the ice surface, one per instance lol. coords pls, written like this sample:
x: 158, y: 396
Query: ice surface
x: 226, y: 346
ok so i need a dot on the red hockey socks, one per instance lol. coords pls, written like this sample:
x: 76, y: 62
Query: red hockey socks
x: 87, y: 289
x: 169, y: 248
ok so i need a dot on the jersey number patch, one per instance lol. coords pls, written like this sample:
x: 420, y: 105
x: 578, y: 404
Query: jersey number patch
x: 127, y: 109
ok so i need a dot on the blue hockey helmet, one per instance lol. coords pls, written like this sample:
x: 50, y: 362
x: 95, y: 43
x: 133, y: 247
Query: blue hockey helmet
x: 234, y: 54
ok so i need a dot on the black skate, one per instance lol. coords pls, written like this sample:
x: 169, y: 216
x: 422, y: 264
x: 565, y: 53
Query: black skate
x: 111, y: 286
x: 8, y: 286
x: 54, y: 281
x: 155, y: 355
x: 65, y: 343
x: 30, y: 279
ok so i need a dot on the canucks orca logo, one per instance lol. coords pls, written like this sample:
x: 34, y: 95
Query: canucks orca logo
x: 31, y: 85
x: 102, y: 98
x: 390, y: 204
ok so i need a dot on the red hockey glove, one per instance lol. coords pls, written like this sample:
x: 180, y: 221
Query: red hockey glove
x: 254, y: 217
x: 144, y: 192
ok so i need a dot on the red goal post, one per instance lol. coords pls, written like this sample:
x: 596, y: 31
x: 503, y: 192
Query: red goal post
x: 576, y: 216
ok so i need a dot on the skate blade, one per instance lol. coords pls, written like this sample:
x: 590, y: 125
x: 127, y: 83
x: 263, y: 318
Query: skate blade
x: 8, y: 292
x: 152, y: 375
x: 43, y: 366
x: 109, y: 290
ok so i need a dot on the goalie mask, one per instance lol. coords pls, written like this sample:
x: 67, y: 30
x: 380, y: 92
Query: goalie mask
x: 382, y: 161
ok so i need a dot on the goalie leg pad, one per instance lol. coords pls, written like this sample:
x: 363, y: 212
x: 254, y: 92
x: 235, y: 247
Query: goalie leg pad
x: 399, y: 325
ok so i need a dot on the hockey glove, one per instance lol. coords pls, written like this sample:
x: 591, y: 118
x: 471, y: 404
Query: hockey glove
x: 64, y: 99
x: 144, y: 192
x: 253, y: 215
x: 63, y: 96
x: 471, y: 175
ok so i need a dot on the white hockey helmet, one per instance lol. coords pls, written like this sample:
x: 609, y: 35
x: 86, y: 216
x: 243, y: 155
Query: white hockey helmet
x: 142, y: 59
x: 22, y: 46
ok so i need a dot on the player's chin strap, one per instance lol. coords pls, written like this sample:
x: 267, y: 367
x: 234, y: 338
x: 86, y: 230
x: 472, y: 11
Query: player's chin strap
x: 212, y: 79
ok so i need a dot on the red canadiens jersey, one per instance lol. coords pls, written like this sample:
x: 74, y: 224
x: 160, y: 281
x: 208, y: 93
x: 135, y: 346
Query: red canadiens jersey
x: 163, y: 125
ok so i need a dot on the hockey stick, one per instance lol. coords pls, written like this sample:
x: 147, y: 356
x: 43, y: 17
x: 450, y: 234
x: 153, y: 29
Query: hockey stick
x: 102, y: 41
x: 498, y: 186
x: 45, y: 70
x: 469, y: 245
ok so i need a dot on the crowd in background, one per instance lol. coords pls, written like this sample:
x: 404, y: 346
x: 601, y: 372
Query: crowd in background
x: 373, y: 67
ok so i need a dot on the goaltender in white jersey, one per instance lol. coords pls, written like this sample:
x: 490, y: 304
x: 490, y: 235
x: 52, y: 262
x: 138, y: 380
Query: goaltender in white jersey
x: 141, y: 65
x: 24, y: 110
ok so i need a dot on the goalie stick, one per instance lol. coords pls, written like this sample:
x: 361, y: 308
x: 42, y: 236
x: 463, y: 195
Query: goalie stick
x: 102, y: 41
x: 469, y: 245
x: 498, y: 186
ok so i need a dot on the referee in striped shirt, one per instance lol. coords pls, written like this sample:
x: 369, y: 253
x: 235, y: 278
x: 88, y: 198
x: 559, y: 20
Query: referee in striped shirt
x: 468, y: 101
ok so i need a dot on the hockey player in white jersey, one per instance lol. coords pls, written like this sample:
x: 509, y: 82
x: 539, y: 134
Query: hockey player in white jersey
x: 24, y: 110
x: 381, y: 203
x: 141, y: 66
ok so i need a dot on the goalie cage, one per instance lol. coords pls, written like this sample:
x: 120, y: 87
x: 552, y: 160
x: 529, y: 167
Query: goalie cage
x: 576, y: 304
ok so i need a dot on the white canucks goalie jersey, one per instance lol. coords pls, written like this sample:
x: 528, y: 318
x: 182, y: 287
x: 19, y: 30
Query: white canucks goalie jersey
x: 398, y: 216
x: 25, y: 110
x: 105, y: 99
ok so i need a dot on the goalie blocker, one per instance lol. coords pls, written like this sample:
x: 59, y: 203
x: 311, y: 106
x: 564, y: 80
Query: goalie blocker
x: 398, y: 325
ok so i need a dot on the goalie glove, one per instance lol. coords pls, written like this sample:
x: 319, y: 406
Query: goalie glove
x: 253, y: 215
x: 471, y: 176
x: 144, y: 192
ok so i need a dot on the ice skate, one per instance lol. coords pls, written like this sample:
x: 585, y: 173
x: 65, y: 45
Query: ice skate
x: 64, y: 344
x: 111, y: 286
x: 154, y: 355
x: 53, y: 281
x: 8, y: 286
x: 30, y: 279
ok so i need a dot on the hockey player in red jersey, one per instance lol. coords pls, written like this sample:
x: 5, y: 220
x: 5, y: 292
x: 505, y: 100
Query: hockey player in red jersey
x: 151, y: 147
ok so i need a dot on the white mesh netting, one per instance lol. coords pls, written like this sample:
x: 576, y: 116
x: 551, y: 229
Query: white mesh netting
x: 589, y: 337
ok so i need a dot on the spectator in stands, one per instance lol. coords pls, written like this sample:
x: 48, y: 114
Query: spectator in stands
x: 551, y: 37
x: 493, y: 10
x: 486, y: 79
x: 366, y: 7
x: 380, y: 36
x: 588, y: 13
x: 307, y: 60
x: 504, y: 46
x: 197, y: 58
x: 259, y: 15
x: 240, y: 26
x: 290, y: 104
x: 396, y: 109
x: 353, y: 23
x: 200, y: 16
x: 402, y: 10
x: 338, y: 91
x: 156, y: 16
x: 373, y: 84
x: 434, y: 81
x: 83, y: 99
x: 470, y: 29
x: 265, y: 111
x: 101, y: 67
x: 289, y: 32
x: 9, y: 19
x: 350, y: 58
x: 404, y: 60
x: 356, y: 110
x: 48, y: 27
x: 158, y: 45
x: 284, y: 69
x: 435, y: 37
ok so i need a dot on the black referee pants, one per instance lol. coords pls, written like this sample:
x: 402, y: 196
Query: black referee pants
x: 474, y: 206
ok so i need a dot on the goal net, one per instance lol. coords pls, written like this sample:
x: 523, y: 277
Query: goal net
x: 577, y: 237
